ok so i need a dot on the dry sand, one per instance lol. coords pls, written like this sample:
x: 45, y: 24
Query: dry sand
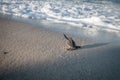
x: 36, y: 53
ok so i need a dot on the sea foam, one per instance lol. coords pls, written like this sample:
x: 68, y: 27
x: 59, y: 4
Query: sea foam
x: 99, y: 15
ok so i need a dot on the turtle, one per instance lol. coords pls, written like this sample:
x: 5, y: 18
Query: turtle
x: 71, y: 45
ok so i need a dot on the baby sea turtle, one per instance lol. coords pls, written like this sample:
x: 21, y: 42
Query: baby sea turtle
x: 71, y: 45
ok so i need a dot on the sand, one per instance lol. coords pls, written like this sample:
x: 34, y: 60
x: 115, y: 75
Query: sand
x: 29, y: 52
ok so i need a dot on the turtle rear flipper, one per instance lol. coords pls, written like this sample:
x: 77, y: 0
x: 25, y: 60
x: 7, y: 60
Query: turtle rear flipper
x: 78, y: 47
x: 74, y: 48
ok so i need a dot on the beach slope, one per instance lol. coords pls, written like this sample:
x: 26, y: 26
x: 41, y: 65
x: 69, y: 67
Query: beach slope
x: 29, y: 52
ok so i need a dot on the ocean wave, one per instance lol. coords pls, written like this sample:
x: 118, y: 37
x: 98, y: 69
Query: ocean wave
x: 102, y: 16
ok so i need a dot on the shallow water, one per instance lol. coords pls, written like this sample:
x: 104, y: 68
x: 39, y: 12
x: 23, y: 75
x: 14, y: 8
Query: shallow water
x: 87, y: 34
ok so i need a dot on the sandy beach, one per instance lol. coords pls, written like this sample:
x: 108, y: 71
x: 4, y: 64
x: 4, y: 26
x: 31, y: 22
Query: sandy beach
x: 29, y: 52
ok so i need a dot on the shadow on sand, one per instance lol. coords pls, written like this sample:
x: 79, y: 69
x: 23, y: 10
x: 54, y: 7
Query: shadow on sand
x: 103, y: 66
x: 94, y: 45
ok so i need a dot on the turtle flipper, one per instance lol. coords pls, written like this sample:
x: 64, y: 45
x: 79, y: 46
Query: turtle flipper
x: 65, y: 37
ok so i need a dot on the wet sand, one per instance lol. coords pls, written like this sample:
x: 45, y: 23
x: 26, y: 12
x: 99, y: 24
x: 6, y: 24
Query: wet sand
x: 29, y: 52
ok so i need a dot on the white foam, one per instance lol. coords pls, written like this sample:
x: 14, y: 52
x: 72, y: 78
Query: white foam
x: 102, y: 16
